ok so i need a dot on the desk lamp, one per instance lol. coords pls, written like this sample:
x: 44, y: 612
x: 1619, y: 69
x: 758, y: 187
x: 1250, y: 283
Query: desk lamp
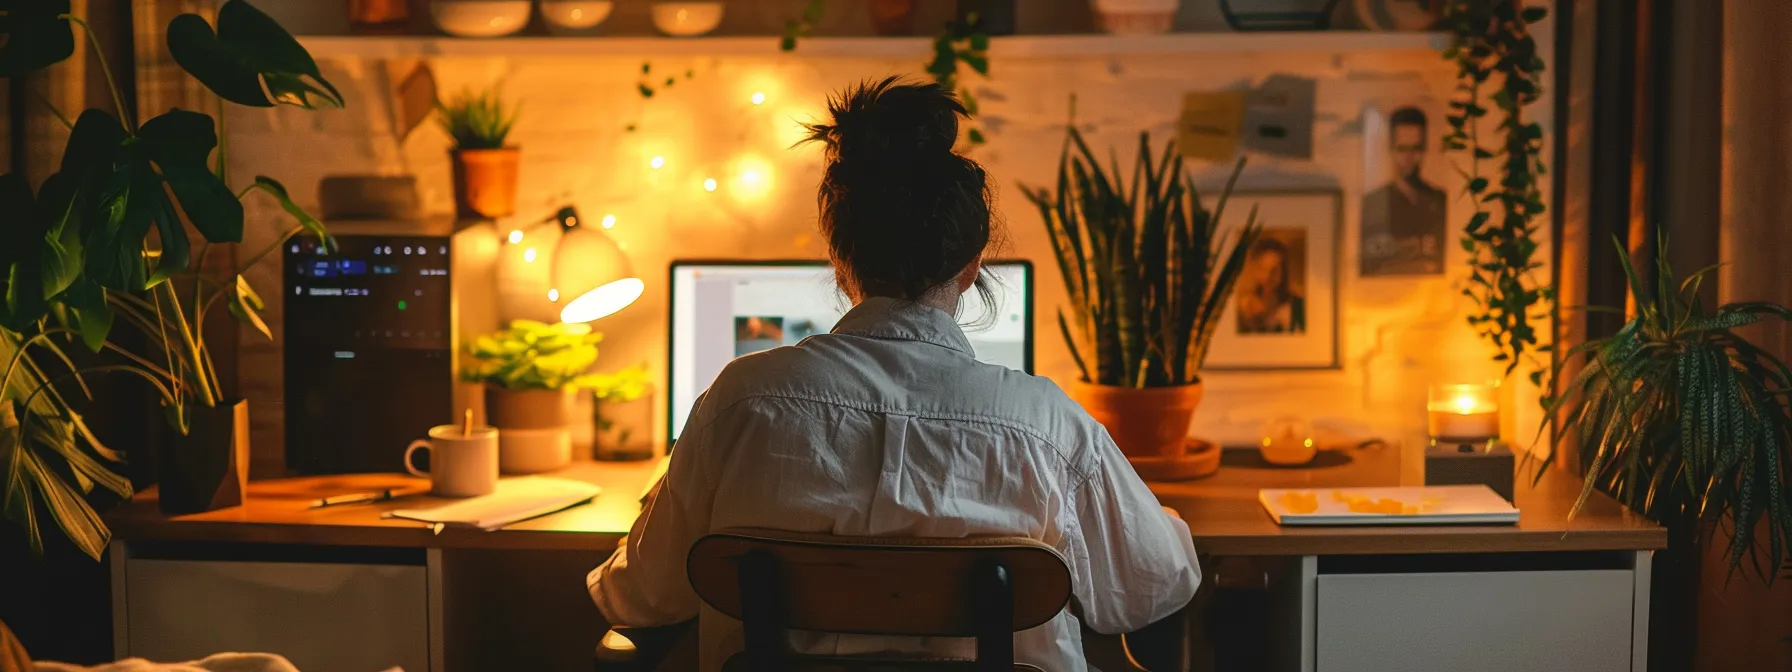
x: 589, y: 271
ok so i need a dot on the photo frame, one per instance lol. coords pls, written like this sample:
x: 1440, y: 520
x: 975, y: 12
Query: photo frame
x: 1283, y: 314
x: 1405, y: 211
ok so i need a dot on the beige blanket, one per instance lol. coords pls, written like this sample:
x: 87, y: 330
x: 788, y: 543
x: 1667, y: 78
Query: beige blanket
x: 223, y: 662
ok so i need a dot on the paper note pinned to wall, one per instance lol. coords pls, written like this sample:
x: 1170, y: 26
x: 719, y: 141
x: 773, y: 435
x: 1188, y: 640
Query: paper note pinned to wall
x: 1278, y: 117
x: 1210, y: 123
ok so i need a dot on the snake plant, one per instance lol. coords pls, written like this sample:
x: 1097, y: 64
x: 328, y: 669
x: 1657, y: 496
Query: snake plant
x: 1677, y: 416
x: 1147, y: 267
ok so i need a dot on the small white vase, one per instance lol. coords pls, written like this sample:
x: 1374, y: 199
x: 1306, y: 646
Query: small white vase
x: 687, y: 19
x: 1135, y: 17
x: 575, y: 17
x: 480, y: 18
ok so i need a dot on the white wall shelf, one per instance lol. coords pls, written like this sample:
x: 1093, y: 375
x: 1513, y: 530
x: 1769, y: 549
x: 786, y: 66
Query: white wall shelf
x: 1026, y: 46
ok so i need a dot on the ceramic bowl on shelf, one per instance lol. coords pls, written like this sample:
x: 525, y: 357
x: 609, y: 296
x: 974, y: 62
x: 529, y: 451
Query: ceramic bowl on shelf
x: 480, y: 18
x: 686, y: 19
x: 1135, y: 17
x: 575, y: 16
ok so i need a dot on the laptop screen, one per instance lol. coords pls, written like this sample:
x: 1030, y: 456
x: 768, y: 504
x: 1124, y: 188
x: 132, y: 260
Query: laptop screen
x: 724, y: 309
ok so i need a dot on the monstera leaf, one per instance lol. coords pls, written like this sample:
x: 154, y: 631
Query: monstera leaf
x: 33, y: 35
x: 248, y: 50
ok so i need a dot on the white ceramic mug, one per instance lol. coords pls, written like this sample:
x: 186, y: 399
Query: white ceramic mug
x: 460, y: 465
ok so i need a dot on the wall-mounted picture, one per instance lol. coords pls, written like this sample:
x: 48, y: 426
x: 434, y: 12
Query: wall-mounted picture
x: 1405, y: 213
x: 1284, y: 311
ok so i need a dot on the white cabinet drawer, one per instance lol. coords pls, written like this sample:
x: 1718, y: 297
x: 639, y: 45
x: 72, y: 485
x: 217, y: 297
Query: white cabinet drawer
x: 321, y: 616
x: 1475, y: 621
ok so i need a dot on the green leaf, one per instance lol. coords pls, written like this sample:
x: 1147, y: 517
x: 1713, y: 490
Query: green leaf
x: 32, y: 36
x: 61, y: 259
x: 179, y: 143
x: 92, y: 315
x: 249, y: 50
x: 311, y: 224
x: 114, y: 243
x: 94, y: 146
x: 975, y: 136
x: 246, y: 305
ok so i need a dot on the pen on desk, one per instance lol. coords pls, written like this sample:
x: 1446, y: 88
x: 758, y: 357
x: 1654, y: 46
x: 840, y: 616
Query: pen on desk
x: 357, y: 498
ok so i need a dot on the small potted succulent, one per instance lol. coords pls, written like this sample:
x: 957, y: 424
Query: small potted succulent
x: 485, y: 168
x: 531, y: 371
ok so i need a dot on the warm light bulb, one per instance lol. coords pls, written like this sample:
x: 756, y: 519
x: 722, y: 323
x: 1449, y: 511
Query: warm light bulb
x: 553, y: 295
x: 572, y: 221
x: 516, y: 236
x: 609, y: 221
x: 529, y: 255
x: 758, y: 98
x: 750, y: 177
x: 1464, y: 404
x: 657, y: 162
x: 709, y: 184
x: 602, y: 301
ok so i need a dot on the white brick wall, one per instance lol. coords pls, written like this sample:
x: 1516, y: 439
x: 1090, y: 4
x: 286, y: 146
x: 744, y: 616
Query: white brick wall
x: 1397, y: 335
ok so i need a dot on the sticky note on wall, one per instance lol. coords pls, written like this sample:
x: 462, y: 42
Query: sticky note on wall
x: 1209, y: 126
x: 1278, y: 117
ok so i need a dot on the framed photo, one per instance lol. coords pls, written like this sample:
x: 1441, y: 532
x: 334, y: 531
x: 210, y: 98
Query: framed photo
x: 1284, y: 311
x: 1405, y: 213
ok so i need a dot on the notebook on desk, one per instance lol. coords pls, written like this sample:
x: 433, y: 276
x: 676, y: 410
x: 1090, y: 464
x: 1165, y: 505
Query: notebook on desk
x: 1429, y: 505
x: 516, y: 499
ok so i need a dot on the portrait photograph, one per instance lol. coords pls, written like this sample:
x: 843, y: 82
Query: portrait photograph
x: 1272, y: 291
x: 1405, y: 210
x: 1284, y: 310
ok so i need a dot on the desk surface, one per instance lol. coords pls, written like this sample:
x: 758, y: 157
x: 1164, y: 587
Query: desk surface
x: 1221, y: 510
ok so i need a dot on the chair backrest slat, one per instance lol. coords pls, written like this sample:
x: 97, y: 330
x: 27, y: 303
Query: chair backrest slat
x: 900, y: 587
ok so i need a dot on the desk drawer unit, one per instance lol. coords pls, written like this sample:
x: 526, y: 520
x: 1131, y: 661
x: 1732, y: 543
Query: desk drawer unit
x: 1475, y: 621
x: 353, y: 617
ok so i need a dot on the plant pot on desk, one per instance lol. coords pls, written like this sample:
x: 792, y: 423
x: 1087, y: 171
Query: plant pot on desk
x: 485, y: 182
x: 208, y: 468
x: 534, y: 428
x: 1150, y: 425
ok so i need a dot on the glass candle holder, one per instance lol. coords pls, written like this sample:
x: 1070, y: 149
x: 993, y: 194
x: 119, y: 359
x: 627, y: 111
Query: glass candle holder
x: 1288, y: 441
x: 1463, y: 412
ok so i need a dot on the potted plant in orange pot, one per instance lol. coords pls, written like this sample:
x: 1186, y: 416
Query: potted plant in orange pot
x: 485, y: 169
x: 1148, y: 271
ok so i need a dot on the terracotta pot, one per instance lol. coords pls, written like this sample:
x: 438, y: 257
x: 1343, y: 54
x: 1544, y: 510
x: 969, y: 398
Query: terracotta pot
x: 534, y: 428
x: 893, y: 17
x: 485, y: 182
x: 1147, y: 423
x: 207, y: 469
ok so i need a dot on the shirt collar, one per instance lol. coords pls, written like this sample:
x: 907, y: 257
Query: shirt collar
x: 898, y: 319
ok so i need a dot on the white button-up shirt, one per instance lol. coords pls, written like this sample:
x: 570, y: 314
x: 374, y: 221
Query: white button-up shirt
x: 890, y: 427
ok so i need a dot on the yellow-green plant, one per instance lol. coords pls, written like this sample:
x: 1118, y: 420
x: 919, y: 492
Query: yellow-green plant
x: 532, y: 355
x: 1147, y: 267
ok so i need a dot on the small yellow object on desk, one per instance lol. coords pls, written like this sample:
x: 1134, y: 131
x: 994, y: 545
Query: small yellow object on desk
x: 1288, y: 442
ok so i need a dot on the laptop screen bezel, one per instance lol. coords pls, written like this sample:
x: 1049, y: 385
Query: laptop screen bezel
x: 672, y: 269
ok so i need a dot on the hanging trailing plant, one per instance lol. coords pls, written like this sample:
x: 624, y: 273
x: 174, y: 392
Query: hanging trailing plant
x: 1497, y: 64
x: 801, y: 26
x: 961, y: 43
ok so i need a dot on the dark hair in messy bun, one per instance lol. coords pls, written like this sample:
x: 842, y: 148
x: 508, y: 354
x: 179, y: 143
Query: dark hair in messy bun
x: 903, y: 213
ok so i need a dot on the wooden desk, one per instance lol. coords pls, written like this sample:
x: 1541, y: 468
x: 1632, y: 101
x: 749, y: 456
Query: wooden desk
x: 278, y: 512
x: 529, y: 572
x: 1226, y: 519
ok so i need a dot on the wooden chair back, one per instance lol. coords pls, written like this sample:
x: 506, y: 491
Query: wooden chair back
x: 774, y: 581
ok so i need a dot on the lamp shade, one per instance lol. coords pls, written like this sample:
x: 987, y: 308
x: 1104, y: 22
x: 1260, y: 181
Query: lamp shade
x: 591, y: 275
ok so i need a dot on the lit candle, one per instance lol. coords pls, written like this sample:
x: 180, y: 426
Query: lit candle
x: 1463, y: 412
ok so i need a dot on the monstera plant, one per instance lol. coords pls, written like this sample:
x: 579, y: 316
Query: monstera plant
x: 105, y: 240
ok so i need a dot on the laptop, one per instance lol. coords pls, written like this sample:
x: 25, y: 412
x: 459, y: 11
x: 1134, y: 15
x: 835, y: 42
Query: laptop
x: 723, y: 309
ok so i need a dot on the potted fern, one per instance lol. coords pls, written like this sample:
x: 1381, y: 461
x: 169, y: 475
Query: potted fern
x: 1682, y: 419
x: 485, y: 168
x: 1148, y: 271
x: 77, y: 256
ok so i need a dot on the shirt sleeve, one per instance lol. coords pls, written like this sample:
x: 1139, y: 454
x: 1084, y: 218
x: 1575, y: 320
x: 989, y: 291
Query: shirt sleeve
x: 1137, y: 562
x: 643, y: 584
